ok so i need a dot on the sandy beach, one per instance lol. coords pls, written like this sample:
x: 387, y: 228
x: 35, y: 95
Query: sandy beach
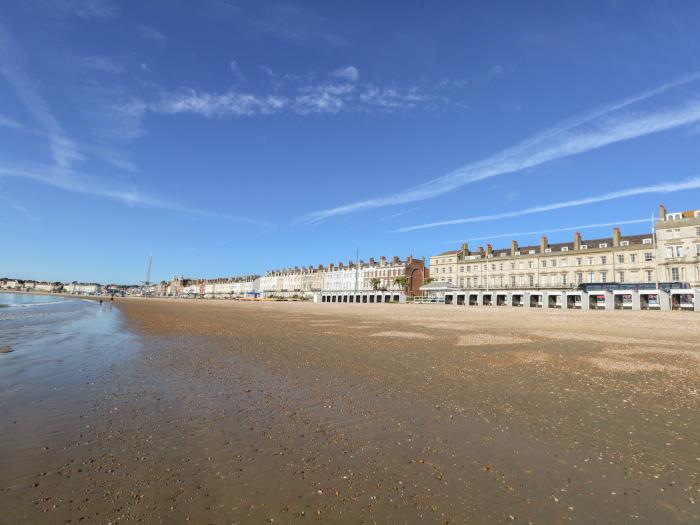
x: 234, y: 412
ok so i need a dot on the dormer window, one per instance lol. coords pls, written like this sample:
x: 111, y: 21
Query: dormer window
x: 547, y: 250
x: 503, y: 254
x: 584, y: 246
x: 517, y: 253
x: 565, y: 248
x: 603, y: 245
x: 531, y: 251
x: 646, y: 241
x: 625, y: 243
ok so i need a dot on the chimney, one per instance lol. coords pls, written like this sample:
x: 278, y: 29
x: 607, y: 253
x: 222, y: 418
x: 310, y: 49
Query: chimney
x: 480, y: 250
x: 616, y: 236
x: 489, y: 249
x: 382, y: 261
x: 662, y: 212
x: 395, y: 260
x: 513, y: 247
x: 340, y: 265
x: 543, y: 244
x: 371, y: 261
x: 577, y: 241
x: 320, y: 267
x: 465, y: 249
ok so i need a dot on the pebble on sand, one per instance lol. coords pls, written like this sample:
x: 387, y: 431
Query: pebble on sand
x: 5, y: 349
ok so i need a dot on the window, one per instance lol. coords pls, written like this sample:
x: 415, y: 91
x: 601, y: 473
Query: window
x: 512, y: 281
x: 591, y: 277
x: 544, y: 263
x: 603, y: 245
x: 578, y: 261
x: 625, y: 243
x: 547, y: 250
x: 584, y: 246
x: 603, y: 259
x: 500, y: 266
x: 543, y: 280
x: 697, y: 229
x: 620, y: 277
x: 603, y: 277
x: 590, y: 261
x: 650, y: 276
x: 512, y: 266
x: 565, y: 248
x: 564, y: 279
x: 531, y: 280
x: 620, y: 258
x: 675, y: 275
x: 529, y: 264
x: 579, y: 277
x: 648, y: 256
x: 531, y: 251
x: 476, y: 282
x: 461, y: 269
x: 697, y: 249
x: 553, y: 262
x: 521, y: 280
x: 563, y: 262
x: 554, y: 280
x: 633, y: 257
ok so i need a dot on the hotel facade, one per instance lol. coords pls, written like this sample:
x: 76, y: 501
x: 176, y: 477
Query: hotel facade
x: 669, y: 254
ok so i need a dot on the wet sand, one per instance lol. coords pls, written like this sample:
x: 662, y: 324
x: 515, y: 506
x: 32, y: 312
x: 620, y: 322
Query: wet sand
x: 294, y: 412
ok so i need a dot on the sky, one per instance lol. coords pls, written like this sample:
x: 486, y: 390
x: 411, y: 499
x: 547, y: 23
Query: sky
x: 227, y: 137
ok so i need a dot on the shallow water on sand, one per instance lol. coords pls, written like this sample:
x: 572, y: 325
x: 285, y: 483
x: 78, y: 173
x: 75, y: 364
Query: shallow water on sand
x: 58, y: 347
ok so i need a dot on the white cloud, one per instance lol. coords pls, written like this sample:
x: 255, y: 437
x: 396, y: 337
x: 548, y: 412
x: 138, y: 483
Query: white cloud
x: 20, y: 209
x: 350, y: 73
x: 101, y: 63
x: 65, y: 151
x: 88, y: 9
x: 342, y: 92
x: 236, y: 70
x: 597, y: 129
x: 152, y: 34
x: 8, y: 122
x: 667, y: 187
x: 75, y: 182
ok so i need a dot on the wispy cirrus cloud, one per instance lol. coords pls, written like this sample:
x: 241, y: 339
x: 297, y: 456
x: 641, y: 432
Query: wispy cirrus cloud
x: 152, y: 34
x: 87, y: 9
x: 11, y: 203
x: 66, y: 153
x: 64, y: 150
x: 341, y: 91
x: 666, y: 187
x: 90, y: 184
x: 591, y: 131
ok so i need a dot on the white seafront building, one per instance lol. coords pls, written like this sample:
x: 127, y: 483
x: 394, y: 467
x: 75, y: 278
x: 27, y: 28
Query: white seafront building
x: 619, y: 268
x: 399, y: 276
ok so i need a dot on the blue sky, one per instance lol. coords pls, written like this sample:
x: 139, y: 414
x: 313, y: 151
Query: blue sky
x: 229, y: 137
